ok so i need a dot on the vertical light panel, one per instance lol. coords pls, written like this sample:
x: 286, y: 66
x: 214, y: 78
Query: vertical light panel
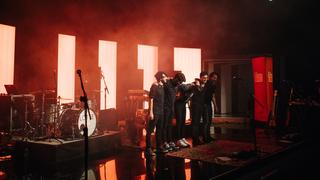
x: 148, y: 62
x: 108, y: 65
x: 66, y: 67
x: 188, y: 60
x: 7, y: 42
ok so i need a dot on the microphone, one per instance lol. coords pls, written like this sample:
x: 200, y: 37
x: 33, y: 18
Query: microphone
x: 79, y: 72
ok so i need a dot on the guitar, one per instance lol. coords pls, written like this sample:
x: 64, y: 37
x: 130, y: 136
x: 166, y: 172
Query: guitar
x: 272, y: 114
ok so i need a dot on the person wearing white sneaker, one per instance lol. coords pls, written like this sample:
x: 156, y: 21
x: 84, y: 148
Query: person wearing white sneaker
x: 186, y: 142
x: 182, y: 97
x: 182, y: 144
x: 170, y: 88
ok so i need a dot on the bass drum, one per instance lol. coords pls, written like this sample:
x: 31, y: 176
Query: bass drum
x: 72, y: 122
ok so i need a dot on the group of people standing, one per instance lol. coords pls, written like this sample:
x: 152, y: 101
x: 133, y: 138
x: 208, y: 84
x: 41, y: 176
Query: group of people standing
x: 168, y: 100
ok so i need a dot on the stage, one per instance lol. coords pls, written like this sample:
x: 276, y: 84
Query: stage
x: 55, y: 151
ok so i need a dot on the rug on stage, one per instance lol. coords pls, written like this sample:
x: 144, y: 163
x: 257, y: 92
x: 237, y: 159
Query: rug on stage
x: 233, y: 153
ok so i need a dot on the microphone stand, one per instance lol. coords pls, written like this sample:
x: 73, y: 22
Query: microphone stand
x: 251, y: 100
x: 84, y: 99
x: 105, y: 89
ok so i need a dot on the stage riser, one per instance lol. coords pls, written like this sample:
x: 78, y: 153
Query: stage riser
x: 53, y: 153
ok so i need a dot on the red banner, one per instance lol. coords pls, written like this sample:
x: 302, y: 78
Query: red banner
x: 263, y: 87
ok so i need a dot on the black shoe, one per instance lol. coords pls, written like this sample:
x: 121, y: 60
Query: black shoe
x: 173, y: 146
x: 167, y: 146
x: 162, y: 150
x: 209, y: 139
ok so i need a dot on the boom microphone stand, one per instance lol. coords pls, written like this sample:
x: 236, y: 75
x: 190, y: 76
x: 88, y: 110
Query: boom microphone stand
x: 105, y: 89
x: 84, y: 99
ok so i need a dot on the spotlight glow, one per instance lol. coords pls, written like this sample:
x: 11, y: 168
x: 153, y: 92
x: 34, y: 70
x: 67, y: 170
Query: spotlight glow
x: 108, y: 65
x: 148, y: 62
x: 7, y: 44
x: 66, y: 68
x: 108, y: 170
x: 188, y: 60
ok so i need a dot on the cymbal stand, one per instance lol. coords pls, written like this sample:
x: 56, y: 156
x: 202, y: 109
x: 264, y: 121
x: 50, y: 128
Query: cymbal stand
x: 42, y: 114
x: 53, y: 134
x: 28, y: 129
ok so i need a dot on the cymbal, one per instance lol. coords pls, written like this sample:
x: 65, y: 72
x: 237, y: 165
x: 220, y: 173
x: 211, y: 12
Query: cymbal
x: 45, y: 91
x: 95, y: 90
x: 60, y: 98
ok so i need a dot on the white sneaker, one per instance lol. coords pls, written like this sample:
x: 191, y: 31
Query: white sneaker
x: 181, y: 144
x: 185, y: 142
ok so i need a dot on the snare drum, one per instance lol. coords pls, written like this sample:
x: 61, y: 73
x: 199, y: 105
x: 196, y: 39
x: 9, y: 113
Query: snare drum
x: 72, y: 122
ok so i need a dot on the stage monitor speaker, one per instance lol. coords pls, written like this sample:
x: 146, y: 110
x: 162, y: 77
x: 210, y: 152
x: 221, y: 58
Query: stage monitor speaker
x: 108, y: 120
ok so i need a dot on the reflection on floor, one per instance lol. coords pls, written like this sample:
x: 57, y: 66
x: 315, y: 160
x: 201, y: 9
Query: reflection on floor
x: 228, y: 157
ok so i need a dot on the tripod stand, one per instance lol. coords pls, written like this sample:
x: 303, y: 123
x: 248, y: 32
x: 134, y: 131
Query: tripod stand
x: 28, y: 129
x: 49, y: 117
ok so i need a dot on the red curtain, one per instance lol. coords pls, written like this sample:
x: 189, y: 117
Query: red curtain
x: 263, y: 87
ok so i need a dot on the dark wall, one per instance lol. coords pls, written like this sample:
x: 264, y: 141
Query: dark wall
x: 286, y: 28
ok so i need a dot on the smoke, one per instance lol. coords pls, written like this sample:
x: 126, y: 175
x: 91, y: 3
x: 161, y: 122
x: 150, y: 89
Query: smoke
x: 217, y: 27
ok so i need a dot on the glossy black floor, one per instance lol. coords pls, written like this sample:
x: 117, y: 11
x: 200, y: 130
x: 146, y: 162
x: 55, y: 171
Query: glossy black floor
x: 130, y: 162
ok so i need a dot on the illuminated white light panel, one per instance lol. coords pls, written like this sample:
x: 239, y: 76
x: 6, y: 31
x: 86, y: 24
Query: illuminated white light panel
x: 7, y: 43
x: 108, y: 65
x: 188, y: 60
x: 148, y: 62
x: 66, y: 67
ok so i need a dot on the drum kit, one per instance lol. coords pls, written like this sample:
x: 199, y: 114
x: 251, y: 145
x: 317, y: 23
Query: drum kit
x: 53, y: 119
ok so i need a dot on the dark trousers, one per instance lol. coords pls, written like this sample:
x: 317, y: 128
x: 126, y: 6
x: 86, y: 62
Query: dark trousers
x: 180, y: 113
x: 198, y: 111
x: 208, y: 108
x: 167, y: 127
x: 151, y: 124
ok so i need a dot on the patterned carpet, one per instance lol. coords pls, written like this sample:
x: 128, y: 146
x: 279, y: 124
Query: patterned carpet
x: 232, y: 153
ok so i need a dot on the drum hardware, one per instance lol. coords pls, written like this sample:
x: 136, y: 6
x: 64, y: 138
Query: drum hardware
x: 49, y: 118
x: 43, y: 101
x: 60, y: 98
x: 28, y: 129
x: 42, y: 114
x: 72, y: 123
x: 46, y: 91
x: 56, y: 107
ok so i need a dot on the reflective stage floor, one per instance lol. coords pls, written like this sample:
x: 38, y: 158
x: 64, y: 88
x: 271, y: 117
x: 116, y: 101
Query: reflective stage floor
x: 231, y: 156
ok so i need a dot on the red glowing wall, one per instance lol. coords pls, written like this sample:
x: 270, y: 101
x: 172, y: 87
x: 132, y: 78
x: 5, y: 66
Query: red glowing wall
x: 263, y: 87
